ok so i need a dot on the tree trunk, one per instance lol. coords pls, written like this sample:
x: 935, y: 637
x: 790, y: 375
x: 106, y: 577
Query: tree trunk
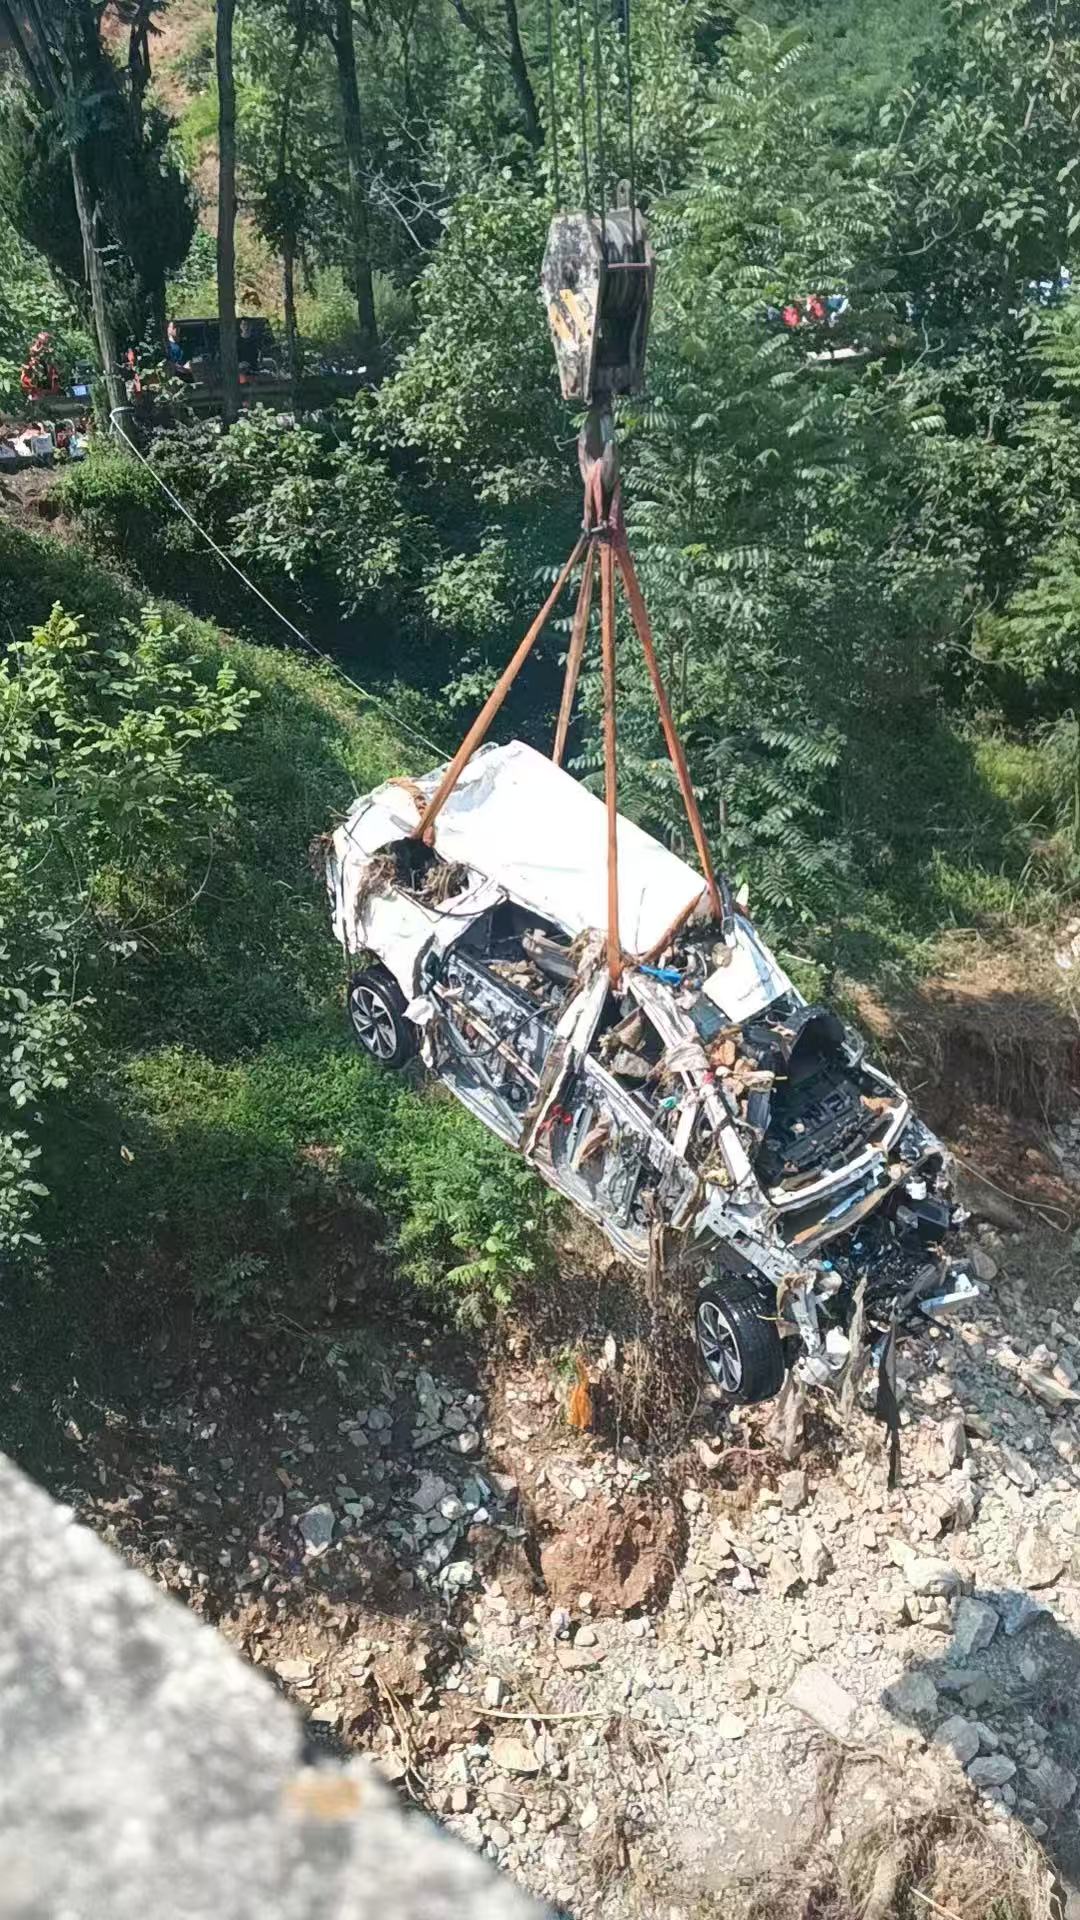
x: 226, y: 234
x: 290, y: 232
x: 514, y: 54
x: 139, y: 64
x: 288, y: 289
x: 158, y: 311
x: 50, y: 85
x: 103, y: 327
x: 359, y: 255
x: 34, y: 79
x: 523, y: 85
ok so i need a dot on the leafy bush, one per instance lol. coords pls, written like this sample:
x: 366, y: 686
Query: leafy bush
x: 249, y: 1167
x: 101, y: 797
x: 218, y: 1127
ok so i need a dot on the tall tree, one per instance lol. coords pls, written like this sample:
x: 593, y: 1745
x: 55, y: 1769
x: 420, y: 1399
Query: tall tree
x: 137, y: 16
x: 52, y: 44
x: 140, y: 203
x: 282, y: 189
x: 511, y: 52
x: 343, y: 40
x: 226, y: 234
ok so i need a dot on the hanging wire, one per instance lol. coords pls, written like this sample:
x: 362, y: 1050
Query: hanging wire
x: 630, y: 125
x: 598, y: 88
x: 553, y: 120
x: 383, y: 706
x: 581, y: 104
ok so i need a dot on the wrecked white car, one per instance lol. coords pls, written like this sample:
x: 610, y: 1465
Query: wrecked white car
x: 702, y: 1096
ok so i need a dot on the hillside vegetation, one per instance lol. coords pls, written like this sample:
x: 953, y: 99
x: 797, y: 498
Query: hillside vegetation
x: 189, y: 1117
x: 863, y: 572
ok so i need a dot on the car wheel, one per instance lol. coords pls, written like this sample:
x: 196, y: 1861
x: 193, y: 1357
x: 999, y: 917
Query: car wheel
x: 377, y: 1018
x: 740, y: 1349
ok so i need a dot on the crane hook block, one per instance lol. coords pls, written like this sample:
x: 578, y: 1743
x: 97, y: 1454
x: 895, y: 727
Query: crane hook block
x: 597, y: 285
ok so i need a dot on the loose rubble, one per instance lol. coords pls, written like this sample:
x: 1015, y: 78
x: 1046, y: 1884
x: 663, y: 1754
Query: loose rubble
x: 575, y: 1650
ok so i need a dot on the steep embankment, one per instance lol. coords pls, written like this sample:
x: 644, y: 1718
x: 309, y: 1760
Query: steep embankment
x: 224, y: 1142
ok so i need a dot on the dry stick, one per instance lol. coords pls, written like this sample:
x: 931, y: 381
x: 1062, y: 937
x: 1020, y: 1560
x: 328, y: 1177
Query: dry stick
x: 503, y: 1713
x: 574, y: 657
x: 493, y: 702
x: 404, y: 1733
x: 607, y: 638
x: 1042, y: 1207
x: 946, y: 1912
x: 640, y: 616
x: 660, y: 946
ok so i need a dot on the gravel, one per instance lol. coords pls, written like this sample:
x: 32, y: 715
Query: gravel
x: 793, y: 1606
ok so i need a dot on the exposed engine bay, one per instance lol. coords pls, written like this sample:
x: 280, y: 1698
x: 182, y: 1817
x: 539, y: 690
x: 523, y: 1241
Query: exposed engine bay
x: 702, y: 1096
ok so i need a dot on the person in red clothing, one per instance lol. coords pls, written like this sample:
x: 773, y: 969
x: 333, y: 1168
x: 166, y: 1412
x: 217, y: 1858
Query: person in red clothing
x: 815, y: 308
x: 40, y: 374
x: 791, y: 316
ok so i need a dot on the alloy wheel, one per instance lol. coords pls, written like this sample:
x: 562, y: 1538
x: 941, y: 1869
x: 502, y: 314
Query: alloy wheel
x: 373, y: 1022
x: 719, y: 1346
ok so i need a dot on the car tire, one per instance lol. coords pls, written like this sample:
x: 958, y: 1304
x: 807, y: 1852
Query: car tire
x: 377, y: 1018
x: 739, y: 1347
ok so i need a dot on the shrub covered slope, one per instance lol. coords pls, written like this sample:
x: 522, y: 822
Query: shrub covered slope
x: 190, y: 1115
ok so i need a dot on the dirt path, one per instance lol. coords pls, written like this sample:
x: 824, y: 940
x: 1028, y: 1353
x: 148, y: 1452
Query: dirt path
x: 24, y: 497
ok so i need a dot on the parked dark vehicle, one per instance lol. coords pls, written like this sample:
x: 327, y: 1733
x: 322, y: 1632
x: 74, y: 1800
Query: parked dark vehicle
x: 200, y: 341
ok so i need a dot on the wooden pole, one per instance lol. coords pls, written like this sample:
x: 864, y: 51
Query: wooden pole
x: 99, y: 304
x: 493, y: 702
x: 640, y: 616
x: 226, y: 227
x: 607, y: 644
x: 574, y: 657
x: 53, y: 71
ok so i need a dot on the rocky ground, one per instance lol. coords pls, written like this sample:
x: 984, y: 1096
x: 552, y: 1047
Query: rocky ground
x: 620, y: 1670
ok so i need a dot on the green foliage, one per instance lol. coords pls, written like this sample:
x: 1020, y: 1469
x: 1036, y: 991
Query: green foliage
x: 146, y: 206
x: 857, y: 56
x: 482, y: 347
x: 862, y: 581
x: 197, y: 130
x: 245, y: 1165
x: 983, y: 170
x: 192, y: 1101
x: 29, y: 301
x: 324, y: 506
x: 192, y: 289
x: 101, y: 795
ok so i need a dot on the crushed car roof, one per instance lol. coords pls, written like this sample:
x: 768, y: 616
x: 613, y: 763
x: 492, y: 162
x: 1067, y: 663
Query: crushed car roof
x: 520, y: 821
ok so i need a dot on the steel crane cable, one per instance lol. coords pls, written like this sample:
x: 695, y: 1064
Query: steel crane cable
x: 581, y: 103
x: 623, y: 15
x: 630, y: 123
x: 599, y: 92
x: 553, y: 118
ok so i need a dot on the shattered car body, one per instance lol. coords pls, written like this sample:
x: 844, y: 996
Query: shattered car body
x: 703, y: 1097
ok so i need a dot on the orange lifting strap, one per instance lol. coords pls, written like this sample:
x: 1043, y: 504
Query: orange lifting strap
x: 606, y: 356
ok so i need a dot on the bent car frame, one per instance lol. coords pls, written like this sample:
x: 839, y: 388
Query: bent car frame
x: 701, y: 1094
